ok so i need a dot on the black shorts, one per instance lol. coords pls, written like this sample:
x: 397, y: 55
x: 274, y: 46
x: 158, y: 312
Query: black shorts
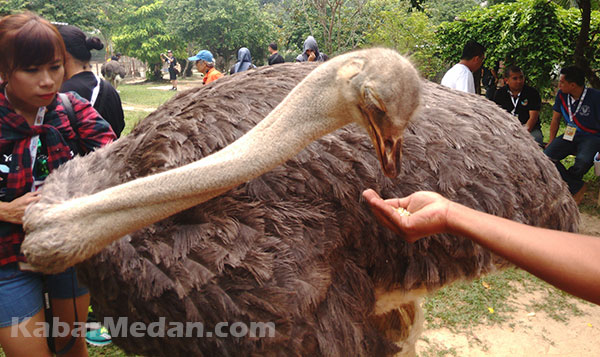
x: 172, y: 74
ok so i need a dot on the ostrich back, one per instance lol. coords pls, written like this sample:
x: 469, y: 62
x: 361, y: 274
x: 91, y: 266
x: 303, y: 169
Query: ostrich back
x: 298, y: 246
x: 112, y: 69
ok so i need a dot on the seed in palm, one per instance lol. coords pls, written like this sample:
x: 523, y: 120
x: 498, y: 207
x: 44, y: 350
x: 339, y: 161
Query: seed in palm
x: 402, y: 211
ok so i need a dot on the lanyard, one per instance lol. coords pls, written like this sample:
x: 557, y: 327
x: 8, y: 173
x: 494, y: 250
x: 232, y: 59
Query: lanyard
x: 515, y: 101
x: 39, y: 120
x: 33, y: 145
x: 570, y: 99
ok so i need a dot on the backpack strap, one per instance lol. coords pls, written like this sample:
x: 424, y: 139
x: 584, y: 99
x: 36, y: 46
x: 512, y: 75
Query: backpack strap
x: 49, y: 316
x: 66, y: 102
x: 101, y: 95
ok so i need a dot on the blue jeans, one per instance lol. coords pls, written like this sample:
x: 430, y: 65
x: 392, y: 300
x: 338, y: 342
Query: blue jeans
x: 584, y: 147
x: 21, y: 292
x: 537, y: 136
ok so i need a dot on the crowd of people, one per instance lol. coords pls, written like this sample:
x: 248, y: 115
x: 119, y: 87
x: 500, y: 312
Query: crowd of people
x: 205, y: 62
x: 575, y: 104
x: 42, y: 129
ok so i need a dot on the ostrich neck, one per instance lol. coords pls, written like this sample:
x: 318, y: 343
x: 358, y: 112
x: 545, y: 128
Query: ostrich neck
x: 301, y: 118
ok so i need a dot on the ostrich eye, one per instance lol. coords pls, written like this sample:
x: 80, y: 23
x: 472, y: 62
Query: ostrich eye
x: 372, y: 101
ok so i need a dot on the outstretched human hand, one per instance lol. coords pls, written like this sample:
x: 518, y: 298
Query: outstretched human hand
x: 429, y: 212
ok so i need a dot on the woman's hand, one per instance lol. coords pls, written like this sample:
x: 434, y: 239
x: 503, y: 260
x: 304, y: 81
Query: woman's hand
x: 14, y: 210
x: 428, y: 213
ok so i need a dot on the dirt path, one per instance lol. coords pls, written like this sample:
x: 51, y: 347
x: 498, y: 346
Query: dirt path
x: 526, y: 334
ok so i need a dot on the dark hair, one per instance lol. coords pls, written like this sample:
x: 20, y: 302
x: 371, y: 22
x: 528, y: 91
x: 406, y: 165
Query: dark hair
x: 574, y: 74
x: 472, y: 49
x: 28, y: 40
x: 273, y: 46
x: 512, y: 69
x: 78, y: 44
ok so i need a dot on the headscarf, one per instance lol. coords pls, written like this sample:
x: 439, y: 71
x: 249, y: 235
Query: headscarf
x: 244, y: 61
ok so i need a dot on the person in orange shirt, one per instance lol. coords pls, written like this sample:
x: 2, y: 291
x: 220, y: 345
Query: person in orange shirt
x: 205, y: 64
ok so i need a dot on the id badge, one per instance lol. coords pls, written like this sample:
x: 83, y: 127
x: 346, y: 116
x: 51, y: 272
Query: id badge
x: 569, y: 133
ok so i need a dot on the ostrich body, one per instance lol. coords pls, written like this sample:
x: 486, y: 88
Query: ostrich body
x: 297, y: 246
x: 114, y: 72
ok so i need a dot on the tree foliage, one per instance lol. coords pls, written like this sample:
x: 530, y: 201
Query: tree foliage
x: 394, y: 25
x: 143, y: 33
x: 90, y: 16
x: 442, y: 10
x: 340, y: 22
x: 221, y: 26
x: 78, y: 12
x: 537, y: 35
x: 337, y: 25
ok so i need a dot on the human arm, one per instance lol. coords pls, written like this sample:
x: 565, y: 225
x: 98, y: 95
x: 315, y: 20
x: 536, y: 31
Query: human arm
x: 14, y: 210
x: 554, y: 125
x: 465, y: 82
x: 534, y: 116
x: 567, y: 260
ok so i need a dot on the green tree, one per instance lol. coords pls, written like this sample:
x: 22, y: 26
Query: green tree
x: 144, y: 34
x: 409, y: 32
x: 586, y: 48
x: 91, y: 16
x: 340, y: 22
x: 221, y: 26
x: 80, y: 13
x: 337, y: 25
x: 291, y: 27
x: 441, y: 10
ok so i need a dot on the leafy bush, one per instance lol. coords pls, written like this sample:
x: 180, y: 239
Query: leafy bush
x: 537, y: 35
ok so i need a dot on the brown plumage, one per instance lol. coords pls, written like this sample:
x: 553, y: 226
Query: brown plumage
x: 297, y: 246
x: 113, y: 72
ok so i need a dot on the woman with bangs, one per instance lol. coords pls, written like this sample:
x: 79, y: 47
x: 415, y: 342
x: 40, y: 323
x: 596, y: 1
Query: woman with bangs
x: 36, y: 137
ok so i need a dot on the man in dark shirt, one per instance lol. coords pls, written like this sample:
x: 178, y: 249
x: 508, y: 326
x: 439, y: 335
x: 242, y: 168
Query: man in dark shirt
x: 579, y: 107
x: 522, y: 101
x: 275, y: 57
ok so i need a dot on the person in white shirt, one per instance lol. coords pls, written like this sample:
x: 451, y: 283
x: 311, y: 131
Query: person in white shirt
x: 460, y: 76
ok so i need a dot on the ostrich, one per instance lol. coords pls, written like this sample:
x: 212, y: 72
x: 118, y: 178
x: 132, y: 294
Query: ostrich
x: 297, y: 246
x: 114, y: 72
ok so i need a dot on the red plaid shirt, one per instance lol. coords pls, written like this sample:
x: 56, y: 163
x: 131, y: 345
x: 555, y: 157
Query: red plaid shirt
x: 57, y: 133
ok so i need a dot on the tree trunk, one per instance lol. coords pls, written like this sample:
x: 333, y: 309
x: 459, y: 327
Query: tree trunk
x: 582, y: 43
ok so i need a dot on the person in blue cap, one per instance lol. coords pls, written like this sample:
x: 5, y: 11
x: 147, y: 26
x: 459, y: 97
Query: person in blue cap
x: 205, y: 64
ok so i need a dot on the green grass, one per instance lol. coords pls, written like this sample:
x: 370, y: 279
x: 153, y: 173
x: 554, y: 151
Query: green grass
x: 108, y: 351
x: 463, y: 305
x: 140, y: 94
x: 131, y: 120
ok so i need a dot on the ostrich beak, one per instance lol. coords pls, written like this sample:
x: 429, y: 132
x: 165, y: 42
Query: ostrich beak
x: 387, y: 139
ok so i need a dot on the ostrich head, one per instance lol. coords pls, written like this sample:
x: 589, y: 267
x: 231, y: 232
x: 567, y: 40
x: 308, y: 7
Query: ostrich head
x: 385, y: 90
x: 376, y: 88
